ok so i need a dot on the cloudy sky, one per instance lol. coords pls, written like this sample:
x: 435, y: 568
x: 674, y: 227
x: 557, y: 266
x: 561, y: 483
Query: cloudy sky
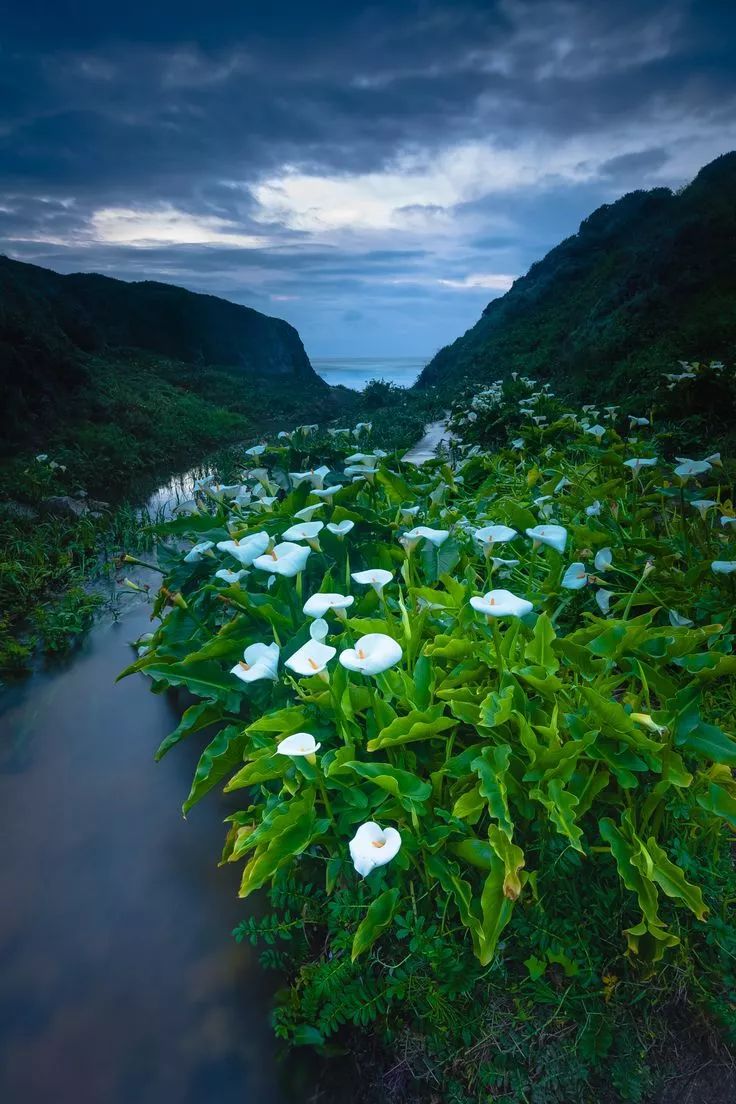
x: 374, y: 173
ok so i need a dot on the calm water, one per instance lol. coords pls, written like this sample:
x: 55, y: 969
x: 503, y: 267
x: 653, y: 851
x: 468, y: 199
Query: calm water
x: 356, y: 372
x: 119, y: 981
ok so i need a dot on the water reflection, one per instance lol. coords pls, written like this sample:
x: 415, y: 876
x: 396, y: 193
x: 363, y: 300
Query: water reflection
x: 119, y: 982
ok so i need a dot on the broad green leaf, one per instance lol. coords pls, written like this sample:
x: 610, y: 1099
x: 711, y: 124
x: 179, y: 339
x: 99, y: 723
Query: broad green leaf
x: 417, y: 725
x: 375, y: 922
x: 263, y: 769
x: 399, y: 783
x: 539, y: 650
x: 193, y: 719
x: 512, y: 858
x: 491, y: 768
x: 719, y: 802
x: 217, y: 760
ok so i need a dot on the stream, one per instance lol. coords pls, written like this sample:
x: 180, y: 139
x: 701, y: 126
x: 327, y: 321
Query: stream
x: 119, y: 979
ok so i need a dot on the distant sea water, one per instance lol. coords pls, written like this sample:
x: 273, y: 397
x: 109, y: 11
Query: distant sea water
x: 356, y: 372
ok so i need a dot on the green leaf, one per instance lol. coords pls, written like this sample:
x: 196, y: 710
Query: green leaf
x: 375, y: 922
x: 205, y: 680
x: 218, y: 759
x: 539, y: 650
x: 417, y: 725
x: 512, y: 858
x: 719, y: 802
x: 193, y: 719
x: 492, y: 767
x: 279, y: 852
x: 399, y: 783
x: 263, y: 769
x: 437, y: 562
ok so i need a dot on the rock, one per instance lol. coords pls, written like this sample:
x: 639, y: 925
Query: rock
x: 18, y: 510
x: 63, y: 506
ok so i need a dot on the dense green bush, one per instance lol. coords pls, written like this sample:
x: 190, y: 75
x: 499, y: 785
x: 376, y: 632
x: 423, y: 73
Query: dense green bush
x: 551, y: 764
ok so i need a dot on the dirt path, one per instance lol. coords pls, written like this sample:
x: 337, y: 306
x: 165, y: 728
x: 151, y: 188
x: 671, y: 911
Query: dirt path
x: 437, y: 434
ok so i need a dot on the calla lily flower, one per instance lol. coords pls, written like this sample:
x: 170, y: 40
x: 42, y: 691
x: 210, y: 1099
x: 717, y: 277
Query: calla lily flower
x: 308, y: 512
x: 260, y: 661
x: 189, y: 506
x: 229, y: 576
x: 340, y: 528
x: 42, y: 457
x: 378, y: 578
x: 301, y: 743
x: 634, y: 421
x: 285, y: 559
x: 723, y: 567
x: 256, y: 450
x: 248, y: 549
x: 372, y: 654
x: 501, y: 603
x: 316, y: 477
x: 494, y: 534
x: 408, y: 512
x: 678, y: 621
x: 727, y: 519
x: 603, y: 598
x: 564, y: 482
x: 423, y: 532
x: 319, y: 629
x: 688, y: 469
x: 319, y: 604
x: 305, y: 531
x: 594, y: 509
x: 338, y: 432
x: 311, y: 659
x: 360, y: 471
x: 284, y: 435
x: 373, y: 846
x: 703, y: 505
x: 361, y: 458
x: 362, y: 427
x: 639, y: 462
x: 518, y: 443
x: 575, y: 578
x: 596, y: 431
x: 327, y: 492
x: 198, y: 552
x: 555, y: 536
x: 714, y: 458
x: 264, y: 503
x: 603, y: 559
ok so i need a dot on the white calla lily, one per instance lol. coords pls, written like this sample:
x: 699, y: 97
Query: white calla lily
x: 703, y: 505
x: 246, y: 549
x: 229, y: 576
x: 723, y: 567
x: 634, y: 421
x: 372, y: 654
x: 378, y: 578
x: 311, y: 659
x: 603, y: 598
x: 198, y: 552
x: 594, y: 509
x: 301, y: 743
x: 260, y: 661
x: 689, y: 469
x: 305, y: 531
x: 373, y: 846
x: 575, y: 578
x: 423, y: 532
x: 596, y: 431
x: 554, y: 536
x: 308, y: 512
x: 285, y: 559
x: 320, y: 604
x: 319, y: 629
x: 639, y: 462
x: 678, y: 621
x: 340, y: 528
x: 727, y: 519
x: 603, y: 559
x: 501, y: 603
x: 327, y: 493
x: 490, y: 535
x: 256, y: 450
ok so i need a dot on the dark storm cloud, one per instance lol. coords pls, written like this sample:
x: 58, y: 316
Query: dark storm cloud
x: 180, y: 110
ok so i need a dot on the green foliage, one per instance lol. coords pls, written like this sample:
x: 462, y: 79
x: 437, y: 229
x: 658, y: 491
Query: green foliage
x: 646, y: 281
x: 561, y: 782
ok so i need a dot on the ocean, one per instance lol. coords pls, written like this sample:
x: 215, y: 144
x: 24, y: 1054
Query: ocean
x: 356, y: 372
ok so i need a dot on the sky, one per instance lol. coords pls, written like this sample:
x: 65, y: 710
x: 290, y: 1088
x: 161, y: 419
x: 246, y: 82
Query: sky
x: 373, y: 173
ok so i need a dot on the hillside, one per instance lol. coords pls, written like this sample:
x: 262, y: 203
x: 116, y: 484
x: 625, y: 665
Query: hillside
x: 57, y: 331
x: 646, y: 281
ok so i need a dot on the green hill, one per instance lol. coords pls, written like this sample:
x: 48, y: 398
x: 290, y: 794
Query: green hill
x: 646, y: 281
x: 62, y: 337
